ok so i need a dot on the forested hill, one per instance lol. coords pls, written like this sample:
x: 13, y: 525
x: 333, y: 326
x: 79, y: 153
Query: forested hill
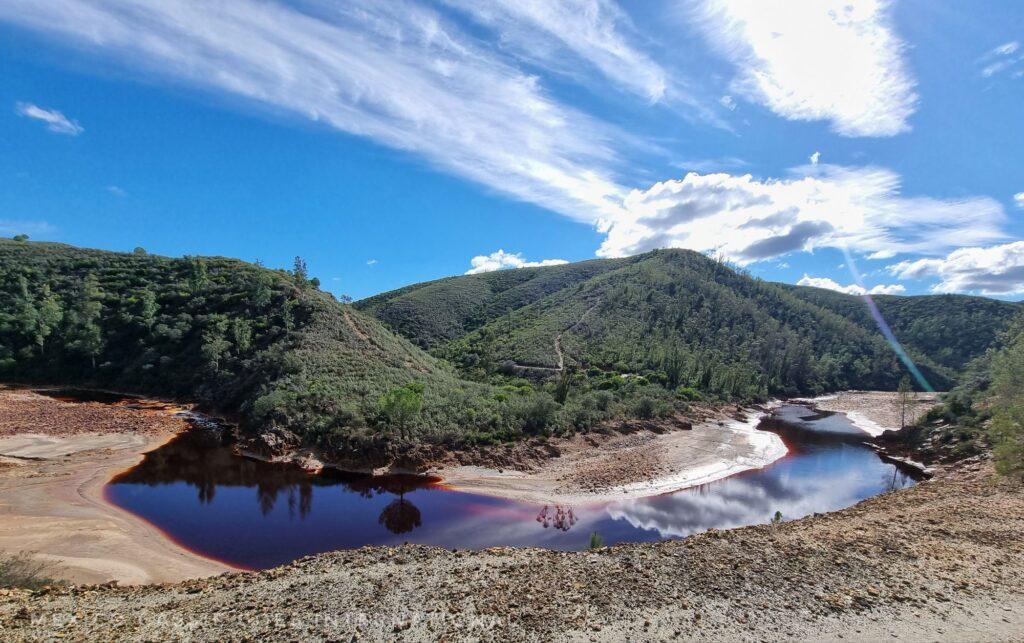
x: 265, y: 345
x: 517, y: 353
x: 678, y: 316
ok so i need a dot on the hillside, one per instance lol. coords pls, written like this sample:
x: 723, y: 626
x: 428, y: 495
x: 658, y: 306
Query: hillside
x: 679, y: 318
x: 265, y: 346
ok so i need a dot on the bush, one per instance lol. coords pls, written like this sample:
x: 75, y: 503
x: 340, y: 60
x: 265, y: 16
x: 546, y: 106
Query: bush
x: 23, y: 572
x: 645, y: 408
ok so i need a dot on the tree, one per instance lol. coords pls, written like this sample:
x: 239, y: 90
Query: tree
x: 402, y: 405
x: 1008, y: 404
x: 215, y: 345
x: 562, y: 388
x: 300, y: 272
x: 48, y: 317
x: 84, y: 332
x: 904, y: 398
x: 198, y: 276
x: 20, y: 237
x: 146, y: 308
x: 139, y: 250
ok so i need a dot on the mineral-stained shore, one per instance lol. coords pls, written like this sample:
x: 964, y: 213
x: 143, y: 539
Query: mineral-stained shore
x: 943, y: 560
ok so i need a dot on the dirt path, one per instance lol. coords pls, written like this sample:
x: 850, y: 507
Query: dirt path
x: 51, y: 492
x: 559, y: 353
x: 941, y: 561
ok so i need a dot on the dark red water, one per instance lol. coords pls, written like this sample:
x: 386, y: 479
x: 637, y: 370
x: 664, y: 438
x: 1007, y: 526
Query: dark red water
x: 256, y: 515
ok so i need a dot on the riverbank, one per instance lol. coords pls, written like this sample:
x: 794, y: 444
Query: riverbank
x: 55, y: 459
x: 875, y: 412
x: 632, y: 464
x: 949, y: 568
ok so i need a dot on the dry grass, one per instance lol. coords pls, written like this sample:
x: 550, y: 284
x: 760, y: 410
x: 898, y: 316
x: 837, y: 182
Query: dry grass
x: 24, y: 571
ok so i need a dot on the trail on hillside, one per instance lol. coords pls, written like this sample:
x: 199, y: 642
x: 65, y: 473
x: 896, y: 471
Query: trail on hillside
x: 559, y: 353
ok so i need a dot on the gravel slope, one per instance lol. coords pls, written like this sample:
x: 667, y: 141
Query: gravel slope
x: 941, y: 561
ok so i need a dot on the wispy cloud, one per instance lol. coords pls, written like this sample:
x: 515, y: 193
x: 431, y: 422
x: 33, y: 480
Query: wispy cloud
x: 993, y: 270
x: 747, y: 219
x: 396, y: 72
x: 371, y: 262
x: 835, y: 60
x: 500, y: 260
x: 117, y: 191
x: 596, y: 31
x: 852, y: 289
x: 55, y: 121
x: 1007, y: 57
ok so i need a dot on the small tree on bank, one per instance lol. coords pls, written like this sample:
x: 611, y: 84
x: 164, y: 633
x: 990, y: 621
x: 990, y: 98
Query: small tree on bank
x: 402, y: 406
x: 904, y: 399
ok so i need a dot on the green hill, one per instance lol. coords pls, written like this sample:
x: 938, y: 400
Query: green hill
x: 516, y: 353
x: 679, y: 318
x: 264, y: 346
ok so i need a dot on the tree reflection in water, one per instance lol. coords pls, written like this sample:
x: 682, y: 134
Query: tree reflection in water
x: 207, y: 464
x: 561, y: 518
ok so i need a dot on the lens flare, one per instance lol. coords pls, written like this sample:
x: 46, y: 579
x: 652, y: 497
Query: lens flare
x: 884, y: 327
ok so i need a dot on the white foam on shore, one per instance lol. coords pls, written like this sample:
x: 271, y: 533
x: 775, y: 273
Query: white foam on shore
x: 766, y: 447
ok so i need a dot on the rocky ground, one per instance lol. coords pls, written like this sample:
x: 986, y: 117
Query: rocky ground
x: 943, y: 560
x: 25, y: 411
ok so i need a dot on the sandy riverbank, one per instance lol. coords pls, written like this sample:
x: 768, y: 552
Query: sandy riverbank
x: 875, y: 412
x: 52, y: 476
x: 630, y: 465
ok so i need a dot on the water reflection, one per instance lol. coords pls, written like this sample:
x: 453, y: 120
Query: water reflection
x: 557, y: 516
x: 259, y: 514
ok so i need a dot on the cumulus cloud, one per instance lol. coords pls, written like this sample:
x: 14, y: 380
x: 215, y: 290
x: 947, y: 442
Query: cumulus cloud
x: 399, y: 73
x: 1019, y: 199
x: 814, y: 158
x: 500, y: 260
x: 835, y: 60
x: 55, y: 121
x: 748, y: 219
x: 993, y: 270
x: 852, y: 289
x: 596, y: 31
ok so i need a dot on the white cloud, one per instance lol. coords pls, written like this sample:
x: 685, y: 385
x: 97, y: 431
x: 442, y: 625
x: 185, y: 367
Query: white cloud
x: 748, y: 219
x: 501, y: 260
x: 814, y: 158
x: 55, y: 121
x: 993, y: 270
x: 371, y: 262
x: 116, y: 191
x: 1002, y: 58
x: 835, y: 60
x: 396, y: 72
x: 596, y: 31
x: 1007, y: 48
x: 728, y: 102
x: 852, y: 289
x: 1019, y: 199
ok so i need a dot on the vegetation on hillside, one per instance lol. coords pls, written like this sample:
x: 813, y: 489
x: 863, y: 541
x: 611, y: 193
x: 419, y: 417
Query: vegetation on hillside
x: 268, y: 348
x: 984, y: 412
x: 681, y: 321
x: 1008, y: 403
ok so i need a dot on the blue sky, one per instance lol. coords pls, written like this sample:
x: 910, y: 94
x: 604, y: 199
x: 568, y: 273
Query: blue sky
x: 394, y: 142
